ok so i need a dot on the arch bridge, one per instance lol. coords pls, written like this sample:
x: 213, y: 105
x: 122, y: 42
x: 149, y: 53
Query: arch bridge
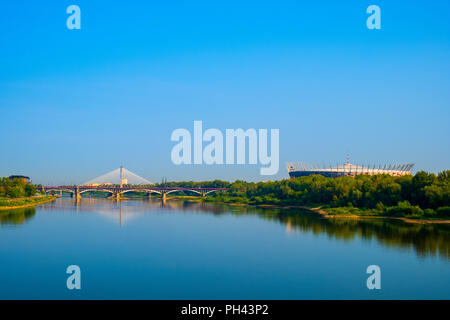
x: 117, y: 192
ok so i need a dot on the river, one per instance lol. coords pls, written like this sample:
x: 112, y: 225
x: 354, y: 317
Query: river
x: 143, y: 249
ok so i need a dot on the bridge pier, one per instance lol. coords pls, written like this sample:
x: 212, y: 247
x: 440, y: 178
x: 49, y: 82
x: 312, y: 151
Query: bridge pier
x: 164, y: 196
x: 116, y: 195
x: 77, y: 194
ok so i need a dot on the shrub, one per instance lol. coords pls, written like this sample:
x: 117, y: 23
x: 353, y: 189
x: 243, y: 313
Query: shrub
x: 404, y: 208
x: 30, y: 190
x: 430, y: 213
x: 380, y: 206
x: 443, y: 211
x: 16, y: 192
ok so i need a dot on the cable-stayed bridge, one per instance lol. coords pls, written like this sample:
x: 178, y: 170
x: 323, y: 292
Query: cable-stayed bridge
x: 118, y: 176
x: 121, y: 181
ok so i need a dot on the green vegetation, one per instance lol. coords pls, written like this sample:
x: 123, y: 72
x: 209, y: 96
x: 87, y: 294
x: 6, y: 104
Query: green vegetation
x: 18, y: 193
x: 20, y: 202
x: 16, y: 188
x: 424, y: 195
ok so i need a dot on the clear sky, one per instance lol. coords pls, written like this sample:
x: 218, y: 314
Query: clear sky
x: 75, y: 104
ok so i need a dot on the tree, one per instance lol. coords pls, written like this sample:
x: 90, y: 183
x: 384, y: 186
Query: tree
x: 30, y: 190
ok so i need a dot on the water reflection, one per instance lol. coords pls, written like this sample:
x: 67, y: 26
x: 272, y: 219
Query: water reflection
x: 424, y: 239
x: 17, y: 216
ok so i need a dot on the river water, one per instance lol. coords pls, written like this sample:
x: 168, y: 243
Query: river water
x: 143, y: 249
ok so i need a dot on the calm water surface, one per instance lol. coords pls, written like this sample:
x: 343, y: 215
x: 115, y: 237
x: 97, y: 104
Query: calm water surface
x: 139, y: 249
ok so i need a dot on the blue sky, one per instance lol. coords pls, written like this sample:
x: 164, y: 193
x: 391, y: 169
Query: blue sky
x: 75, y: 104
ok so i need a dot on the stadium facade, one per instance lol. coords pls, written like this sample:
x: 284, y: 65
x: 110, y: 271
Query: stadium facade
x: 301, y: 169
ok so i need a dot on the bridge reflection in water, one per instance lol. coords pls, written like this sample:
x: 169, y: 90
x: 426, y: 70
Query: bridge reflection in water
x: 424, y: 239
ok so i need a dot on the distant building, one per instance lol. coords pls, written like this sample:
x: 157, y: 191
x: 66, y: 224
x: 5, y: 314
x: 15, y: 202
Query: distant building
x: 96, y: 184
x: 23, y: 178
x: 347, y: 169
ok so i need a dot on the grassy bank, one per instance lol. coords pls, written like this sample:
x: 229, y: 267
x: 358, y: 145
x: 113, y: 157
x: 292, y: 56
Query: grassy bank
x: 360, y: 213
x: 350, y: 212
x: 23, y: 202
x: 401, y: 210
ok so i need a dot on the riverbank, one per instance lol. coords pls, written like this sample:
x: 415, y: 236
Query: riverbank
x: 18, y: 203
x: 342, y: 212
x: 326, y: 214
x: 420, y: 197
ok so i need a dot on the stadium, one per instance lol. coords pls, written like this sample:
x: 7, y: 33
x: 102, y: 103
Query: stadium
x: 351, y: 170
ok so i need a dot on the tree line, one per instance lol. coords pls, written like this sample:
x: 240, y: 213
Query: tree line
x: 422, y: 194
x: 16, y: 188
